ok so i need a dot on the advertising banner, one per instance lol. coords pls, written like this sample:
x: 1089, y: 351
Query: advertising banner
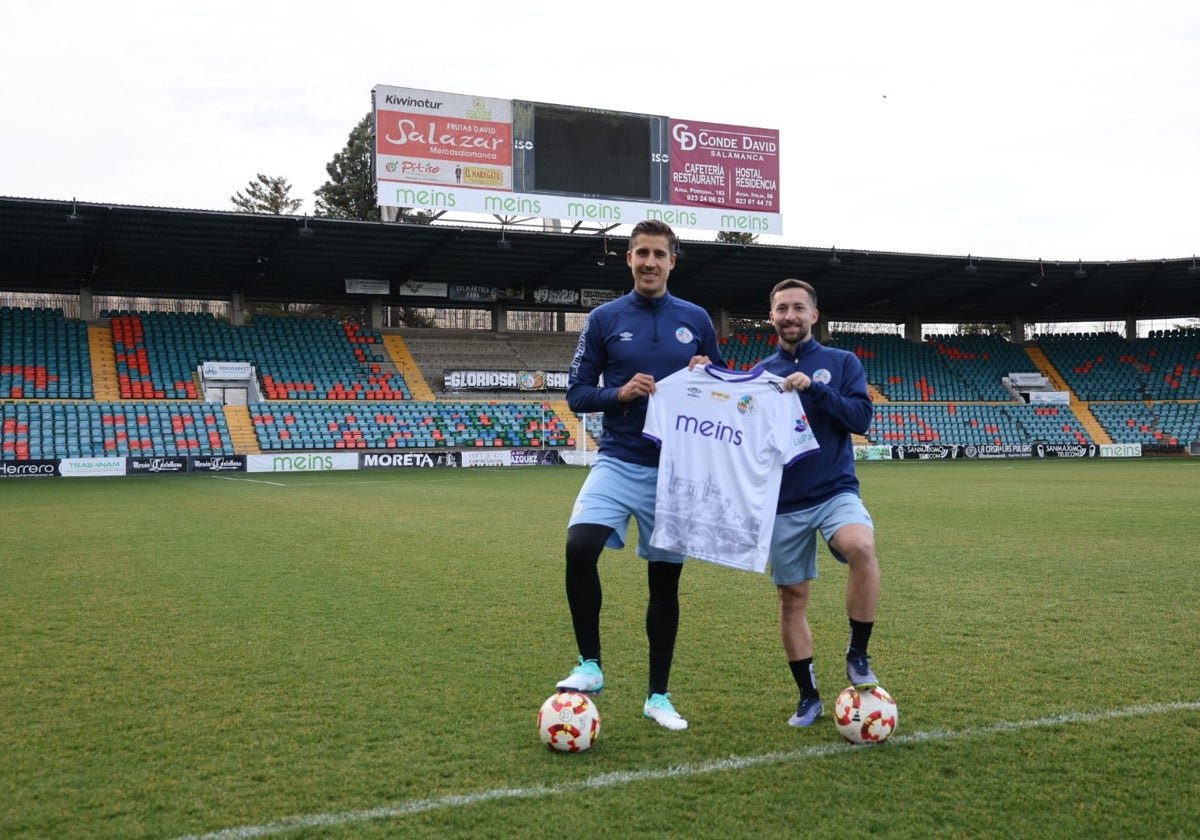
x: 1122, y: 450
x: 154, y: 466
x: 511, y: 458
x: 592, y: 298
x: 412, y: 288
x: 476, y: 293
x: 217, y: 463
x: 504, y: 380
x: 226, y: 370
x: 872, y: 453
x: 1066, y: 450
x: 1050, y: 397
x: 925, y: 452
x: 535, y: 457
x: 37, y: 468
x: 951, y: 451
x: 367, y: 287
x: 87, y: 467
x: 563, y: 297
x: 726, y: 166
x: 302, y: 462
x: 443, y: 139
x: 409, y: 460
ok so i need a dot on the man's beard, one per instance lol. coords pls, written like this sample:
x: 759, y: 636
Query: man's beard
x: 802, y: 335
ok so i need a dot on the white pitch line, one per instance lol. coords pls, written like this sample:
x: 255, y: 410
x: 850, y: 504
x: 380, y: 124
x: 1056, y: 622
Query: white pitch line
x: 295, y: 483
x: 605, y: 780
x: 248, y: 480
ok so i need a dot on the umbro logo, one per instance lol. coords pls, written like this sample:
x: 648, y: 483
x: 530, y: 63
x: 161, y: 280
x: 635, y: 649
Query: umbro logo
x: 626, y: 336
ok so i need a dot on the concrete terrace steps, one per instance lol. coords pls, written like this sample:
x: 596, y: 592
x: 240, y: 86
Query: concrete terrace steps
x: 102, y: 355
x: 572, y: 422
x: 1045, y: 367
x: 241, y: 430
x: 399, y: 353
x: 1083, y: 413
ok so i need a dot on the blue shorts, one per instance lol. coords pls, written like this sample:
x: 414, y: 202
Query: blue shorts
x: 614, y: 491
x: 793, y: 555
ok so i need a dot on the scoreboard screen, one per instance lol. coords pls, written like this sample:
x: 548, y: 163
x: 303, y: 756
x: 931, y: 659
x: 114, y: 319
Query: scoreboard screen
x: 588, y: 152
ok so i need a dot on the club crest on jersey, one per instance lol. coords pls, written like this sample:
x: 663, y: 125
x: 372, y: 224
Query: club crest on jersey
x: 823, y: 376
x: 683, y: 335
x: 747, y: 405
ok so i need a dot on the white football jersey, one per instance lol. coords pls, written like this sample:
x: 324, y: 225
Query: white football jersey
x: 725, y: 438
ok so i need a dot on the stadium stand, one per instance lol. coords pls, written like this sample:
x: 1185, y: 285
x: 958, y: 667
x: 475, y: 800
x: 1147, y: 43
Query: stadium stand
x: 158, y: 354
x: 34, y: 430
x: 440, y: 350
x: 1105, y: 366
x: 975, y: 424
x: 905, y: 371
x: 43, y: 355
x: 951, y: 388
x: 330, y: 386
x: 595, y: 426
x: 982, y: 362
x: 746, y: 348
x: 1157, y: 426
x: 388, y: 425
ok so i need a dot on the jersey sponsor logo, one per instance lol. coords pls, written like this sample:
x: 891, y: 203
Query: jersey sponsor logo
x: 802, y: 435
x: 717, y: 396
x: 683, y: 335
x: 823, y: 376
x: 747, y: 405
x: 708, y: 428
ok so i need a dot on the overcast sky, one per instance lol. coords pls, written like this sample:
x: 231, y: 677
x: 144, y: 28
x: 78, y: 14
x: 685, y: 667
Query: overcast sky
x: 1051, y: 129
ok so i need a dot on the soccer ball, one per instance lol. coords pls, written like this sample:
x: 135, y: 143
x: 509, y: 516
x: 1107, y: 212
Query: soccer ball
x: 569, y: 722
x: 868, y: 717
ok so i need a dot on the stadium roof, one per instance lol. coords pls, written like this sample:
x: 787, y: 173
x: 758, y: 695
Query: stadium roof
x: 55, y: 246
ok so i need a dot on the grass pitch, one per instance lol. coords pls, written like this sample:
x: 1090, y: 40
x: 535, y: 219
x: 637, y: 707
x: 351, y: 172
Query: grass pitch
x: 363, y: 655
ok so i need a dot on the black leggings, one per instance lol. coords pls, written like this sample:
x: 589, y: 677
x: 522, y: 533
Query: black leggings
x: 584, y: 597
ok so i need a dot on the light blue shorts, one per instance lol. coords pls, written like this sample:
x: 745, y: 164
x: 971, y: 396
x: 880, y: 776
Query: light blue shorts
x: 793, y: 555
x: 614, y: 491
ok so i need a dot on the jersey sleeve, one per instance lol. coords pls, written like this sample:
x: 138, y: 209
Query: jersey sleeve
x: 799, y: 440
x: 650, y: 429
x: 584, y: 392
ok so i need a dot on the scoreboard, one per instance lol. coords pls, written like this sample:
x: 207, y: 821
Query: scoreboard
x: 589, y: 153
x: 448, y: 151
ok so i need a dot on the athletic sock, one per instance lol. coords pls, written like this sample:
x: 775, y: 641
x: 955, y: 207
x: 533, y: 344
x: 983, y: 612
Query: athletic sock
x: 805, y: 677
x: 860, y: 635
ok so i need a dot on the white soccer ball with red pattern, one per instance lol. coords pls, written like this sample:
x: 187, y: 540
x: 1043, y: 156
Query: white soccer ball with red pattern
x: 867, y: 717
x: 569, y: 722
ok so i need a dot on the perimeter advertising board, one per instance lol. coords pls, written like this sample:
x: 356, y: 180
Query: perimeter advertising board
x: 301, y: 462
x: 477, y: 154
x: 36, y: 468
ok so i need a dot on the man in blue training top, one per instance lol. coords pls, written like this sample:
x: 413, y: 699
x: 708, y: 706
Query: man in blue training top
x: 625, y: 347
x: 821, y: 493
